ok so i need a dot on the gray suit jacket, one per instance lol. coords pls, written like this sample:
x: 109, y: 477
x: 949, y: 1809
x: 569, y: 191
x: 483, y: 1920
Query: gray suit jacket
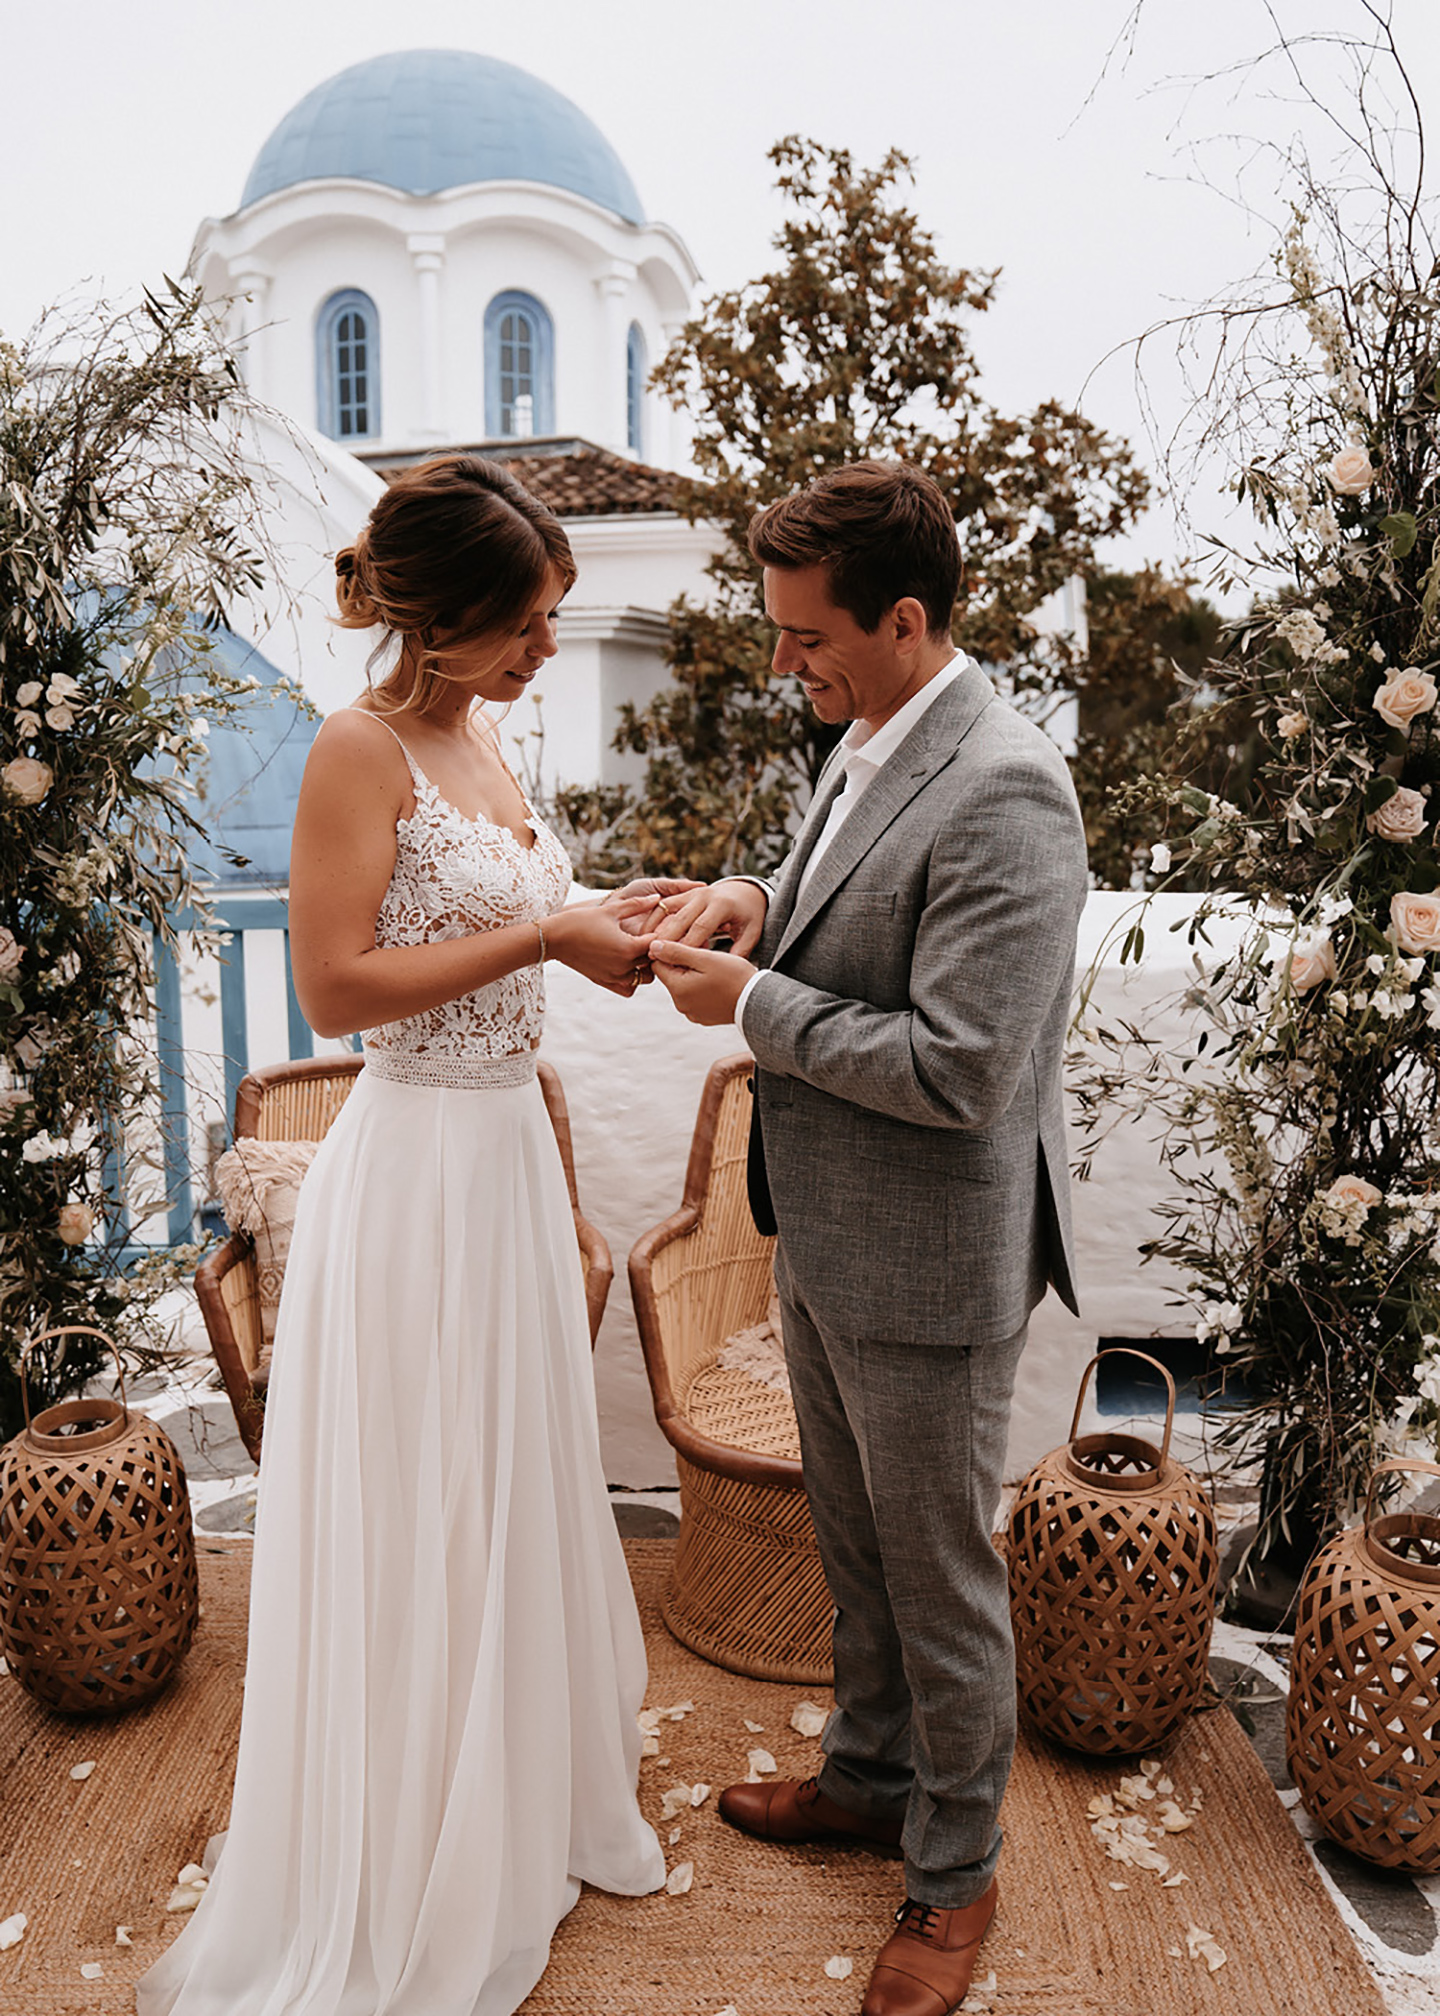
x: 909, y: 1044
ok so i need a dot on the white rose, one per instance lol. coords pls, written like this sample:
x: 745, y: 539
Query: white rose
x: 1351, y: 473
x: 27, y: 779
x: 29, y: 693
x: 1312, y: 959
x: 75, y: 1223
x: 1399, y: 818
x: 11, y: 951
x: 1160, y: 858
x: 60, y: 718
x: 1353, y: 1190
x: 1291, y: 725
x: 62, y: 688
x: 1415, y: 921
x: 1400, y: 699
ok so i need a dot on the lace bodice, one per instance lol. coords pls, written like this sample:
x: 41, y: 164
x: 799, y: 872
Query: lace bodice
x: 453, y: 876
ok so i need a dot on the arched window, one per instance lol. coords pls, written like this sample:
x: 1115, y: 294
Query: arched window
x: 348, y: 366
x: 635, y: 376
x: 519, y: 367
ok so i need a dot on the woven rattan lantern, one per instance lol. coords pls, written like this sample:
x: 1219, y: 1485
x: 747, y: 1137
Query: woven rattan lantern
x: 1362, y: 1730
x: 1113, y: 1568
x: 98, y: 1591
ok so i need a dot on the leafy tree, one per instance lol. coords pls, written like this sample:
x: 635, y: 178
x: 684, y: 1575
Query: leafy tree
x: 856, y: 344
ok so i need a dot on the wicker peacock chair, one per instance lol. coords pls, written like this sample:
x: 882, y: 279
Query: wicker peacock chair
x: 747, y: 1590
x: 297, y: 1102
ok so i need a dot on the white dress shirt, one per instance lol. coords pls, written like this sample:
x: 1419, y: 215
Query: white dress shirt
x: 866, y: 751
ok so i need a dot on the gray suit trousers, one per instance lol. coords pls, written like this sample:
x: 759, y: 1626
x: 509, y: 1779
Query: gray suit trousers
x: 903, y: 1448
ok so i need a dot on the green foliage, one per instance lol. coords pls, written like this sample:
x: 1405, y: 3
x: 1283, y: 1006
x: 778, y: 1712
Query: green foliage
x: 126, y: 505
x: 1306, y: 1145
x: 857, y: 343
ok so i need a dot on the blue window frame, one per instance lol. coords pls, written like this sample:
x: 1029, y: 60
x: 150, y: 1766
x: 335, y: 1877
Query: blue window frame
x: 635, y: 376
x: 519, y: 366
x: 347, y: 344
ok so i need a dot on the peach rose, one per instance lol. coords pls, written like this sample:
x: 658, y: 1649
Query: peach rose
x: 1291, y: 725
x: 75, y: 1223
x: 1415, y: 921
x: 1400, y: 699
x: 1353, y: 1190
x: 26, y: 778
x: 1351, y: 473
x: 11, y: 952
x: 1312, y: 959
x: 1399, y: 818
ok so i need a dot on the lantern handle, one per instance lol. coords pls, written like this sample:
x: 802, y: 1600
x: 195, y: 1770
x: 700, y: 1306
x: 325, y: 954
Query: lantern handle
x: 1395, y: 1463
x: 68, y: 1330
x: 1126, y: 1351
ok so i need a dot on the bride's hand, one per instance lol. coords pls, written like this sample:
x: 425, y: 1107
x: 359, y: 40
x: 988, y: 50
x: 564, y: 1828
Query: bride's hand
x: 641, y: 923
x: 733, y: 909
x: 598, y: 940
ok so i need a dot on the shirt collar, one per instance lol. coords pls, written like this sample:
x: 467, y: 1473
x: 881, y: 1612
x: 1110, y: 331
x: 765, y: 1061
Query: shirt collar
x: 862, y: 746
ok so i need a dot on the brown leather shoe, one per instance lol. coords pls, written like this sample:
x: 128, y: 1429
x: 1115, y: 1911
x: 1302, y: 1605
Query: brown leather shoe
x: 924, y: 1967
x: 787, y: 1810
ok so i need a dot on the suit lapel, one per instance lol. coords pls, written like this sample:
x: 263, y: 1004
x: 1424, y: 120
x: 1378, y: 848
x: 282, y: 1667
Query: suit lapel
x: 829, y: 785
x: 927, y: 748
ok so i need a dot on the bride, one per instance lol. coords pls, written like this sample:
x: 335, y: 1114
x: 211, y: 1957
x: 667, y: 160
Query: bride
x: 439, y: 1740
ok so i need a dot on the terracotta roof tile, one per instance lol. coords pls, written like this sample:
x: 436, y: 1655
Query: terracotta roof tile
x: 574, y: 478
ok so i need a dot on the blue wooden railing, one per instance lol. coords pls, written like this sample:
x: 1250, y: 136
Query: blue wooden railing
x: 235, y: 913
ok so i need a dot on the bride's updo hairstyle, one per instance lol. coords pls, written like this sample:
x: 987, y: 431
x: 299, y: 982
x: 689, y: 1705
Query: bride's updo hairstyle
x: 455, y: 551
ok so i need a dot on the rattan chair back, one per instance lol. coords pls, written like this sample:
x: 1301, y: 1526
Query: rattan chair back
x: 746, y: 1589
x: 1362, y: 1726
x: 1113, y: 1572
x: 98, y: 1585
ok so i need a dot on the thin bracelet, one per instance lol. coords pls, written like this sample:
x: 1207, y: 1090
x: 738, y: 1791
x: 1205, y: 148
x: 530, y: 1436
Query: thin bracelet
x: 540, y: 934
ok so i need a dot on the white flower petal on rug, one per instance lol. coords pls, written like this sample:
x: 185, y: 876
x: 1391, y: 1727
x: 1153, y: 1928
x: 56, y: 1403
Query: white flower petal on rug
x: 839, y: 1968
x: 650, y: 1747
x: 4, y: 1668
x: 679, y: 1799
x: 756, y: 1728
x: 80, y: 1772
x: 1174, y: 1882
x: 807, y: 1719
x: 92, y: 1971
x: 699, y: 1794
x: 975, y: 2003
x: 728, y: 2010
x: 193, y: 1873
x: 1203, y: 1945
x: 680, y: 1878
x: 183, y: 1899
x: 12, y: 1930
x: 1173, y: 1818
x: 672, y: 1837
x: 761, y: 1761
x: 122, y: 1936
x: 1119, y: 1886
x: 648, y: 1721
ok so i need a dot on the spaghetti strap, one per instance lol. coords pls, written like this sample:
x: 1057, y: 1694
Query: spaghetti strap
x: 417, y: 775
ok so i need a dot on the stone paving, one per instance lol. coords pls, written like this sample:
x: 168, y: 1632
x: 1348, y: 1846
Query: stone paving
x: 1395, y: 1919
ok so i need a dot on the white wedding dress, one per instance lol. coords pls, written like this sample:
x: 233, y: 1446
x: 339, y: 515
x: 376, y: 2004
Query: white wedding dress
x: 439, y: 1740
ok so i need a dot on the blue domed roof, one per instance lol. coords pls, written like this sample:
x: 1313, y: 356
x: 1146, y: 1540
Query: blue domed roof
x: 423, y: 120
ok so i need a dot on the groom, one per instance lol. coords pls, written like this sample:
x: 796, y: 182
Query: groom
x: 906, y: 1011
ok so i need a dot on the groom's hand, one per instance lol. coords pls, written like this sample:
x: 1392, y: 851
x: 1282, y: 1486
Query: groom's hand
x: 704, y: 986
x: 733, y: 909
x: 639, y: 919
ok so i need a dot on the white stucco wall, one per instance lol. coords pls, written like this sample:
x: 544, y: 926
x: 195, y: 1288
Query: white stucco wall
x: 431, y: 265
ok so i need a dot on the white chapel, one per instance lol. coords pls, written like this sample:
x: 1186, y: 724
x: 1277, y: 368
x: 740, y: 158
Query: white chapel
x: 435, y: 249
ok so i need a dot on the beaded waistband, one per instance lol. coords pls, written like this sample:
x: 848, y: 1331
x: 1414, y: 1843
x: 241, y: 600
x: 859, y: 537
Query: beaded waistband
x: 431, y: 1067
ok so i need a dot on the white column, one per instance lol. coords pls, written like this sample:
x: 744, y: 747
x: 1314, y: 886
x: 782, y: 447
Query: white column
x: 250, y: 285
x: 672, y: 448
x: 614, y: 289
x: 427, y: 253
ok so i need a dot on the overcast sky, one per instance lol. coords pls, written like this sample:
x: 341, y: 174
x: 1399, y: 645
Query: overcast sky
x: 1047, y: 143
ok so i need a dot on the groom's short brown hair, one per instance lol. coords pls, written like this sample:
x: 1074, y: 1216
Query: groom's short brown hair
x: 881, y: 531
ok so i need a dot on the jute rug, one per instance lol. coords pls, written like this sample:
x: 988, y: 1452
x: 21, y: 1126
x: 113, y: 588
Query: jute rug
x: 757, y: 1927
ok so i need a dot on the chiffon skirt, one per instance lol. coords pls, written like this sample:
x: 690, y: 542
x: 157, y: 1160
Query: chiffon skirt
x: 439, y: 1739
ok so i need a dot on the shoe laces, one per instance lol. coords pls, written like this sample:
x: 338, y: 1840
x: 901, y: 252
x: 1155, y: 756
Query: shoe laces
x: 920, y: 1919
